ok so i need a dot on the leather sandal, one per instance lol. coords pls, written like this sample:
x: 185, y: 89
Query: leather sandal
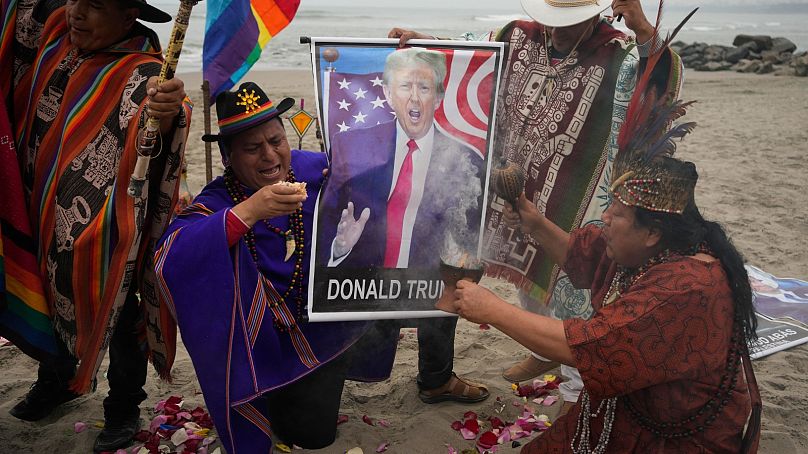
x: 457, y: 390
x: 528, y: 369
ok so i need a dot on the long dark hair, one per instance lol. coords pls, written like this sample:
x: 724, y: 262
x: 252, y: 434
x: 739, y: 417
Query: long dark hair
x: 684, y: 232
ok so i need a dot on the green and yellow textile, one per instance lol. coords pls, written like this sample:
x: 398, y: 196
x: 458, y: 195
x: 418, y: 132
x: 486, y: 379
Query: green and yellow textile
x: 76, y: 119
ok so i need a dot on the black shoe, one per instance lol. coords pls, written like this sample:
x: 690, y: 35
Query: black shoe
x: 117, y: 433
x: 41, y: 399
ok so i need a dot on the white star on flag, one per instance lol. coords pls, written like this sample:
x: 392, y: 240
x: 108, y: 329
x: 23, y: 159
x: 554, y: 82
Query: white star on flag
x: 344, y: 104
x: 376, y: 82
x: 359, y: 118
x: 343, y: 84
x: 343, y: 127
x: 379, y: 102
x: 360, y: 93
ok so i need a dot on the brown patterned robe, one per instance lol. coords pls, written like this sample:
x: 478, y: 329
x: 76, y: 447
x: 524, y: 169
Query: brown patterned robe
x: 662, y: 345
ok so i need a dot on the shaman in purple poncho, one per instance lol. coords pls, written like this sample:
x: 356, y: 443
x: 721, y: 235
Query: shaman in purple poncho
x: 227, y: 319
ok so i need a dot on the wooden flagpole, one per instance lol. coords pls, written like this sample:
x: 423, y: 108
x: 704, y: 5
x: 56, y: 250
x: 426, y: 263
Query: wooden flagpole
x: 208, y: 147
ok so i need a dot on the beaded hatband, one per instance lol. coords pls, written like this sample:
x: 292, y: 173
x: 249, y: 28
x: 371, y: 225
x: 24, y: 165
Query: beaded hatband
x: 295, y: 233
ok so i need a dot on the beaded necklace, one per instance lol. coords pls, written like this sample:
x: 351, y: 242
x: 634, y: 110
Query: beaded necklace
x: 294, y: 236
x: 623, y: 280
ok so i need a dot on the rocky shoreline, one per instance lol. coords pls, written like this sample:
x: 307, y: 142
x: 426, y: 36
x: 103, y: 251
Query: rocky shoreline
x: 758, y: 54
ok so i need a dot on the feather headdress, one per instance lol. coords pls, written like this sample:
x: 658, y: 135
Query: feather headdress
x: 647, y: 137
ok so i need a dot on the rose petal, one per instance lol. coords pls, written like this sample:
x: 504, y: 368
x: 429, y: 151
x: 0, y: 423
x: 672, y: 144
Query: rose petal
x: 384, y: 423
x: 366, y: 419
x: 457, y: 425
x: 383, y: 447
x: 342, y: 419
x: 485, y: 326
x: 469, y: 415
x: 487, y: 440
x: 550, y: 400
x: 496, y: 423
x: 79, y: 427
x: 179, y: 437
x: 451, y: 450
x: 158, y: 421
x: 467, y: 434
x: 472, y: 425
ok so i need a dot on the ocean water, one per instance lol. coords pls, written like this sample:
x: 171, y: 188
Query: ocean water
x: 286, y: 52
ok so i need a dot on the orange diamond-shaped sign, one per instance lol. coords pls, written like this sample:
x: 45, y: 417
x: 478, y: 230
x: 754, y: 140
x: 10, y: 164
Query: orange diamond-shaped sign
x: 301, y: 122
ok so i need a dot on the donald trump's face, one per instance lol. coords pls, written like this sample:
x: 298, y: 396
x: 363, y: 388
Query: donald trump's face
x: 412, y: 94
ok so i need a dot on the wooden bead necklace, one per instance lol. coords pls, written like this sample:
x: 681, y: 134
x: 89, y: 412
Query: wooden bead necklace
x: 294, y: 236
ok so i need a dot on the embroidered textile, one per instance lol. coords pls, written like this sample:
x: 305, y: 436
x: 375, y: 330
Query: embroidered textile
x: 559, y: 122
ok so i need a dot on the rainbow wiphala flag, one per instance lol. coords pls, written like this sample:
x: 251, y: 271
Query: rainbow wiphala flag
x: 236, y: 32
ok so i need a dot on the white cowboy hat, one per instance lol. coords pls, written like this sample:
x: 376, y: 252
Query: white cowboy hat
x: 563, y: 13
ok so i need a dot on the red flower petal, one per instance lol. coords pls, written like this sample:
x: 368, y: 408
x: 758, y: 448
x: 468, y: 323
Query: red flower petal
x: 366, y: 419
x: 457, y: 425
x: 472, y: 425
x: 383, y: 447
x: 469, y: 415
x: 342, y: 419
x: 485, y: 326
x: 487, y: 440
x: 496, y: 423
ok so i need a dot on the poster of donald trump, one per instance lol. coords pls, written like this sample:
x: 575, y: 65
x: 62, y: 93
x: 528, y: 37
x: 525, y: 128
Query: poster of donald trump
x: 409, y: 134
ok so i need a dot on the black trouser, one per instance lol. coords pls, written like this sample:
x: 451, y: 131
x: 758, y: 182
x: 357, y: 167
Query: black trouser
x: 435, y: 347
x: 127, y: 366
x: 305, y: 412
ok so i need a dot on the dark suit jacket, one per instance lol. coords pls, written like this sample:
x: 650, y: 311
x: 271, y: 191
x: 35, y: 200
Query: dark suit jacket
x: 362, y: 172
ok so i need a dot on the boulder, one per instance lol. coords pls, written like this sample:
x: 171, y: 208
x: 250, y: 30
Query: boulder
x: 765, y: 68
x: 800, y: 65
x: 695, y: 48
x: 784, y: 71
x: 751, y: 45
x: 781, y: 45
x: 736, y: 54
x: 714, y: 66
x: 747, y: 66
x: 714, y: 53
x: 693, y: 60
x: 770, y: 56
x: 764, y: 42
x: 678, y: 46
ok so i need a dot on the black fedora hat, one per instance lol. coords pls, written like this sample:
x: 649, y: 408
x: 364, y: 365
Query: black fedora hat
x: 243, y: 109
x: 148, y: 13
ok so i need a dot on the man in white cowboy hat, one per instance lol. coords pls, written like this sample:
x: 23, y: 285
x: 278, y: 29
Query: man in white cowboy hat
x: 568, y: 78
x: 84, y: 80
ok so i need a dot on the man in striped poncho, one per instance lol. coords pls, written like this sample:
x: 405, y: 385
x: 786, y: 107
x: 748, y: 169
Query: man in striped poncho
x: 84, y: 81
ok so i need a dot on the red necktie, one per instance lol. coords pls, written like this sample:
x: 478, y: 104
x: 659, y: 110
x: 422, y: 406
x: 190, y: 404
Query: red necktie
x: 396, y: 207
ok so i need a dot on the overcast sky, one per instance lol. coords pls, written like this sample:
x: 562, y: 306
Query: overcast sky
x: 510, y: 5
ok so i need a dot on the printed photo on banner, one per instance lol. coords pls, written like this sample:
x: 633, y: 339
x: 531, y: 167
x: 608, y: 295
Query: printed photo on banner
x: 779, y: 297
x: 409, y: 133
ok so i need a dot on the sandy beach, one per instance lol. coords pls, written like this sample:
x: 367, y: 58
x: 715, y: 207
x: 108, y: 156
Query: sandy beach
x: 750, y: 148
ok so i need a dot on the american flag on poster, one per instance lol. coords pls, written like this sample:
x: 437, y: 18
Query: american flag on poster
x: 355, y: 101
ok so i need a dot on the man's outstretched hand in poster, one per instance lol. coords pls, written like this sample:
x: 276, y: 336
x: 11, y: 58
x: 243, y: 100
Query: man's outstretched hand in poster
x: 349, y: 230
